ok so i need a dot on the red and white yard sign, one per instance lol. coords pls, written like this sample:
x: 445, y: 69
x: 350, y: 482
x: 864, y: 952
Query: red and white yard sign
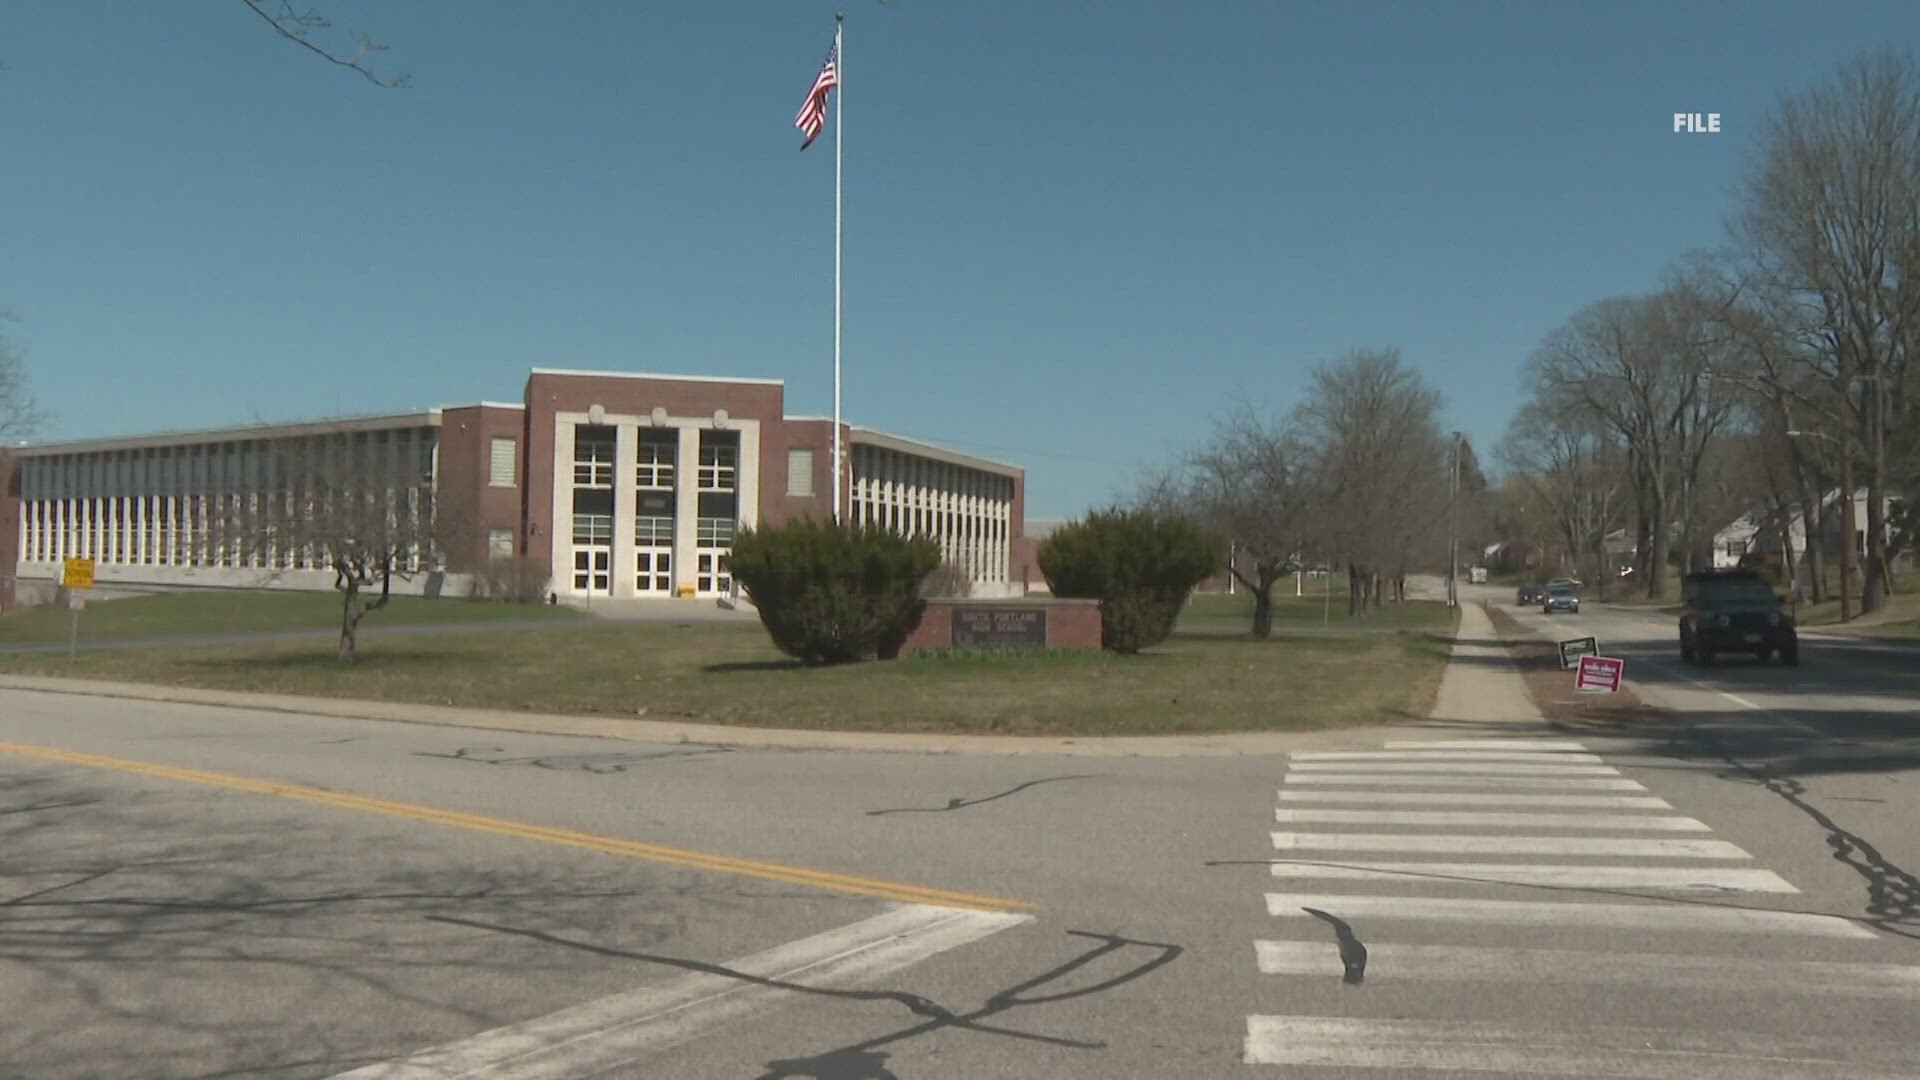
x: 1600, y: 675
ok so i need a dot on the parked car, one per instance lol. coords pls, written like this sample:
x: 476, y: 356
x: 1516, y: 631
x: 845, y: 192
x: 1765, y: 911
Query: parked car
x: 1531, y: 593
x: 1734, y: 611
x: 1561, y: 598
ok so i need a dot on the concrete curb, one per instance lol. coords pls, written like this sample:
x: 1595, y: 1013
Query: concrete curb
x: 1243, y: 744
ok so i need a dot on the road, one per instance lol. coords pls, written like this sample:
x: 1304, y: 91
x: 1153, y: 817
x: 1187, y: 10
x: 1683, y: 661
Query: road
x: 192, y: 891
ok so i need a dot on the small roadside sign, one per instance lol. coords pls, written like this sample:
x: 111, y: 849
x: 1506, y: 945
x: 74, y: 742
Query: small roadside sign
x: 1600, y: 675
x: 1573, y: 649
x: 77, y: 573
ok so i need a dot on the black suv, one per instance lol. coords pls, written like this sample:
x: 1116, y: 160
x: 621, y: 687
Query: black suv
x: 1734, y: 611
x: 1532, y: 593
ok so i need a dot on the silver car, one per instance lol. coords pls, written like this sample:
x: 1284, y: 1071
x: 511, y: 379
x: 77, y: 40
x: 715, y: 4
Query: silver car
x: 1561, y: 598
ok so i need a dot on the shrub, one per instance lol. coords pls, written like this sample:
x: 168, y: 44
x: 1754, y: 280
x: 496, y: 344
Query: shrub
x: 518, y: 580
x: 947, y: 582
x: 1139, y: 564
x: 833, y: 593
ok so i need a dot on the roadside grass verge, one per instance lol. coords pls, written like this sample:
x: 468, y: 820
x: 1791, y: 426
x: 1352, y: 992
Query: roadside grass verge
x: 728, y: 673
x: 181, y: 613
x: 1551, y: 686
x: 1221, y: 614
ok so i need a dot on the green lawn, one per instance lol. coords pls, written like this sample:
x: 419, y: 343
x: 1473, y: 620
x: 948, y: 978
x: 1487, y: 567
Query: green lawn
x: 729, y: 673
x: 1900, y: 618
x: 168, y: 614
x: 1217, y: 613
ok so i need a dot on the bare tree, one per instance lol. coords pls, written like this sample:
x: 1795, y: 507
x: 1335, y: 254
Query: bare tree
x: 330, y: 503
x: 19, y: 418
x: 1580, y: 474
x: 1378, y: 466
x: 1653, y: 371
x: 1246, y: 485
x: 309, y: 28
x: 1832, y: 221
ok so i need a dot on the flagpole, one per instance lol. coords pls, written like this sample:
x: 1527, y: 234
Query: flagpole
x: 839, y: 113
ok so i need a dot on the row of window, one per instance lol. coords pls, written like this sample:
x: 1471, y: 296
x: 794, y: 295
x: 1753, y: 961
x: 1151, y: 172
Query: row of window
x: 596, y: 530
x: 595, y: 454
x: 163, y: 530
x: 968, y: 511
x: 404, y: 455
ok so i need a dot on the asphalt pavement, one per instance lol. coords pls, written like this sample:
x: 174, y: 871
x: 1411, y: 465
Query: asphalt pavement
x: 197, y: 891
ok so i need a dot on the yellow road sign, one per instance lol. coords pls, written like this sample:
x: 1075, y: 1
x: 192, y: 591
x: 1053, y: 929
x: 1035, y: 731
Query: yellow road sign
x: 77, y: 574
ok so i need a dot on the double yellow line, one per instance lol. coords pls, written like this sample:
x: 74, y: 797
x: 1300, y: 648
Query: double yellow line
x: 609, y: 845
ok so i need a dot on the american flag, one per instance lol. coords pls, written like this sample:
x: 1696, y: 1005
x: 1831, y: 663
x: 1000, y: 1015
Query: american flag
x: 813, y: 115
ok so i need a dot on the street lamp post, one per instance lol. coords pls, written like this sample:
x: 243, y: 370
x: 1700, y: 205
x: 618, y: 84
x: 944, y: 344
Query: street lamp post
x: 1846, y: 514
x: 1453, y: 527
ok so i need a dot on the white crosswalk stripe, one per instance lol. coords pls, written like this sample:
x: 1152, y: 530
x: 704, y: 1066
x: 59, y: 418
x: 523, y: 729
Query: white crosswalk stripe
x: 1453, y: 963
x: 1474, y: 798
x: 1681, y: 879
x: 1548, y: 783
x: 1472, y: 768
x: 1564, y: 914
x: 1586, y: 1050
x: 1454, y: 844
x: 1521, y: 756
x: 1474, y: 818
x: 1537, y: 847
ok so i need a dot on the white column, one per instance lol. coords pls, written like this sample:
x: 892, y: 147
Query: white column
x: 626, y: 458
x: 747, y: 477
x: 686, y: 510
x: 560, y: 534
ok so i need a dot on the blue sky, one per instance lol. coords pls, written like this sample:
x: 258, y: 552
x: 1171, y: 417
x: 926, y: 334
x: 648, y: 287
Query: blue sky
x: 1077, y: 234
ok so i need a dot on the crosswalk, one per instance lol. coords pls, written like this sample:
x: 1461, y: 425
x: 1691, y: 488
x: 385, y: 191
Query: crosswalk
x: 1469, y: 879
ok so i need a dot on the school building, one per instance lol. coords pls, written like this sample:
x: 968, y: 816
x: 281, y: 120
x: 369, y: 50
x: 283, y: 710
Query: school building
x: 622, y: 484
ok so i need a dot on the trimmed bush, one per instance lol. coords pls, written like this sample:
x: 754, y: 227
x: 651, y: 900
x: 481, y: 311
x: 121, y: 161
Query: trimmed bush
x: 1140, y: 565
x: 831, y: 594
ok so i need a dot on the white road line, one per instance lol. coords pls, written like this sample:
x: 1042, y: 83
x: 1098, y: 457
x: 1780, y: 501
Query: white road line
x: 1665, y: 970
x: 600, y: 1035
x: 1578, y: 1049
x: 1633, y: 847
x: 1466, y: 768
x: 1658, y: 916
x: 1474, y: 798
x: 1515, y: 756
x: 1629, y: 822
x: 1425, y: 874
x: 1557, y: 783
x: 1483, y: 744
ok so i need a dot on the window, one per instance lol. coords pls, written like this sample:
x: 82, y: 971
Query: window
x: 714, y: 532
x: 593, y: 529
x: 658, y: 448
x: 719, y: 461
x: 800, y: 471
x: 593, y: 457
x: 653, y: 531
x: 500, y: 542
x: 500, y: 465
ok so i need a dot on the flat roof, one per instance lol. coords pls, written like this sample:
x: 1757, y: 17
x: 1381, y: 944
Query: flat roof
x: 520, y: 405
x: 373, y: 422
x: 657, y: 375
x: 905, y: 445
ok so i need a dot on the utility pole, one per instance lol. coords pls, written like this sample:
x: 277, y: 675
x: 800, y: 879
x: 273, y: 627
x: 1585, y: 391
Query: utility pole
x: 1453, y: 526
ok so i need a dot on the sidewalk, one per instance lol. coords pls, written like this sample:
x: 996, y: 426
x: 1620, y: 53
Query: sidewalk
x: 1482, y: 684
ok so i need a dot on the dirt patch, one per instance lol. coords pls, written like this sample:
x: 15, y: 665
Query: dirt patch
x: 1551, y: 686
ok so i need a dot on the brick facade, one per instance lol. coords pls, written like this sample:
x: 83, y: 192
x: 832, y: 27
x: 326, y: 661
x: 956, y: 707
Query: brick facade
x: 471, y: 506
x: 9, y: 532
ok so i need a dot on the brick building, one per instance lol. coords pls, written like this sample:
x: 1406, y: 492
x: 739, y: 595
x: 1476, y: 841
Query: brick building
x: 625, y: 485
